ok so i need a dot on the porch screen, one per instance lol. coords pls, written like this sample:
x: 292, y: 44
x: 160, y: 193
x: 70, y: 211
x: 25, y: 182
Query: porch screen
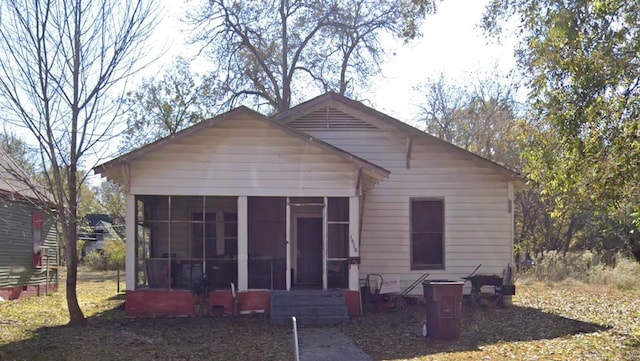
x: 179, y: 238
x: 338, y: 242
x: 267, y: 242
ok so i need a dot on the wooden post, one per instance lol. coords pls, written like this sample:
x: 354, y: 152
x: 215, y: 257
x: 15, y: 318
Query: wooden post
x: 130, y: 229
x: 354, y: 242
x: 243, y: 244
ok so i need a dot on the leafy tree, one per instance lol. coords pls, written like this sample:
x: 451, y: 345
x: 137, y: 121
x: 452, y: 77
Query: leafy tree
x: 112, y: 200
x: 582, y: 62
x: 59, y: 63
x: 164, y: 106
x: 273, y: 52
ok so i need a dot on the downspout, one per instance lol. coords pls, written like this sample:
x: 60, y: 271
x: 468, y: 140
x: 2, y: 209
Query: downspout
x: 409, y: 145
x: 363, y: 196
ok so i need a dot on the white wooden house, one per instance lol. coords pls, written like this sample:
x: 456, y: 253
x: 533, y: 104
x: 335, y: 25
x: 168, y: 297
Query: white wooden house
x: 315, y: 197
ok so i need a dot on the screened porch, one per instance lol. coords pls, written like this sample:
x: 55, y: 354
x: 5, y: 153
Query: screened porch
x: 272, y: 243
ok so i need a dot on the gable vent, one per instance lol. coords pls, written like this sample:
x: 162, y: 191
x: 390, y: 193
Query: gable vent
x: 329, y: 118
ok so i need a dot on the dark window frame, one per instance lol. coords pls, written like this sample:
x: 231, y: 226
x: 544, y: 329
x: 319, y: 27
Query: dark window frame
x: 419, y: 264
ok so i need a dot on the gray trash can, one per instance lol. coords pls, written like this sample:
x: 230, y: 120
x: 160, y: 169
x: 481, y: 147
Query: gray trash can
x: 444, y: 309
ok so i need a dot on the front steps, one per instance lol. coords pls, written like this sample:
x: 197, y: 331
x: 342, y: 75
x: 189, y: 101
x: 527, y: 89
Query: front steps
x: 310, y: 307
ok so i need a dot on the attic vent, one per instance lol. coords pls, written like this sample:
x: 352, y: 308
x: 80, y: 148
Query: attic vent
x: 329, y: 118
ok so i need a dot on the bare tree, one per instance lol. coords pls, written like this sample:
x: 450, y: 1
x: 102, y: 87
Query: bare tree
x: 482, y: 117
x: 268, y: 51
x: 443, y: 111
x: 60, y: 62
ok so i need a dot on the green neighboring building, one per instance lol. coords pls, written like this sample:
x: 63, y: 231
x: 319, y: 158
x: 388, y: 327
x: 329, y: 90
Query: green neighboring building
x: 29, y: 255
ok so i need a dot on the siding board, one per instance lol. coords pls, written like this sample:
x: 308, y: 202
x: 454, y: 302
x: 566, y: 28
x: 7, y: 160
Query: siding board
x: 16, y: 246
x: 242, y: 157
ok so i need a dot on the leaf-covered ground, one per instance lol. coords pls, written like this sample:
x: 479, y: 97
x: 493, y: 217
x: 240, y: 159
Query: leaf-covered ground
x: 569, y: 321
x: 547, y: 322
x: 34, y: 329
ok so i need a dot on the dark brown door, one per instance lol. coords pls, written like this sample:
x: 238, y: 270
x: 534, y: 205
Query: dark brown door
x: 309, y: 252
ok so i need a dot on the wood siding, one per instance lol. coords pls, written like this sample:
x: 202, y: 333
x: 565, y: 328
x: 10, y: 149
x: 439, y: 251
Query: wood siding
x: 242, y: 157
x: 16, y: 247
x: 477, y: 222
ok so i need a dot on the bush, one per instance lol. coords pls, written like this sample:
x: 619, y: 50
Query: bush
x: 624, y: 276
x: 80, y: 248
x: 556, y: 266
x: 112, y: 257
x: 586, y: 266
x: 94, y: 260
x: 116, y: 252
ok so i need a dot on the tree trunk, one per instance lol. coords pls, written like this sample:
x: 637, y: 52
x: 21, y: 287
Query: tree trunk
x: 76, y: 317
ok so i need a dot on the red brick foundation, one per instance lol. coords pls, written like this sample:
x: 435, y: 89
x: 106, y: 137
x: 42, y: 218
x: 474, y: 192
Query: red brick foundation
x: 353, y: 302
x: 150, y: 303
x: 155, y: 302
x: 15, y: 293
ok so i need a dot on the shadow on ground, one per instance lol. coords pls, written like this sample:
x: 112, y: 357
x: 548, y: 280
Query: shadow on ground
x: 393, y: 334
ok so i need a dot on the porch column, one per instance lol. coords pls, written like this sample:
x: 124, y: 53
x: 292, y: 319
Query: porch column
x: 288, y: 242
x: 511, y: 195
x: 130, y: 234
x: 354, y: 242
x: 325, y: 244
x: 243, y: 244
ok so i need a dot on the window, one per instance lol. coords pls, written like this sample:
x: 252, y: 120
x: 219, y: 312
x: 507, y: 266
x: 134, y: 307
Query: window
x: 427, y: 234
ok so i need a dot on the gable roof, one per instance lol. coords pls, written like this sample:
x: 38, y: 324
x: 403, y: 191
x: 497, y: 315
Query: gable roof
x: 368, y: 167
x: 309, y: 106
x: 95, y: 218
x: 17, y: 184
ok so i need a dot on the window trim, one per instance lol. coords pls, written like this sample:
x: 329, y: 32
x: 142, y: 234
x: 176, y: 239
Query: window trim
x: 423, y: 266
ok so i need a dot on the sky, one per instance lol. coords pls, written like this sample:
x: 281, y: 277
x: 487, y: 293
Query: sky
x: 452, y: 45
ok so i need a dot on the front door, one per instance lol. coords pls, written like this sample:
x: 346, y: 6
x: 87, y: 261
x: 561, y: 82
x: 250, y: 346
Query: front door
x: 309, y: 239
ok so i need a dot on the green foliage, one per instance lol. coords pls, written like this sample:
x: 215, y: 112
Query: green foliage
x: 112, y: 257
x: 582, y: 62
x: 95, y: 261
x: 165, y: 105
x: 80, y: 247
x: 113, y: 201
x: 115, y: 251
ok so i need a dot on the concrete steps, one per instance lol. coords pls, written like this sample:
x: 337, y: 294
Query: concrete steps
x: 310, y: 307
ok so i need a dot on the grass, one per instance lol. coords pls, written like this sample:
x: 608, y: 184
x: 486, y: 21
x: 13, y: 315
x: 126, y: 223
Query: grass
x: 549, y: 321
